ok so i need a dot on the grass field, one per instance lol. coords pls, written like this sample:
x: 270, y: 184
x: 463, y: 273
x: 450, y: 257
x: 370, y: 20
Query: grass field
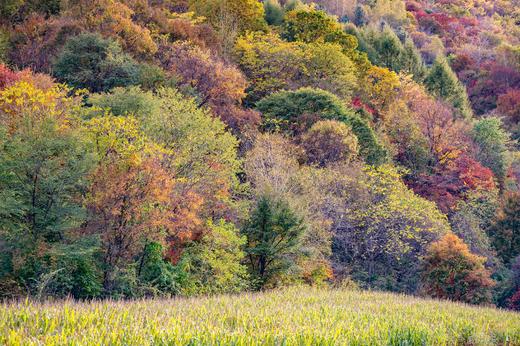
x: 295, y: 316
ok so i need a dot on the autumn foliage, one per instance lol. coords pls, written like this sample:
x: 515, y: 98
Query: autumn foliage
x: 451, y: 271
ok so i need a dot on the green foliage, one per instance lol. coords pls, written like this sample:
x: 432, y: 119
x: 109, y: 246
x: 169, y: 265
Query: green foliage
x: 296, y: 111
x: 44, y: 173
x: 273, y: 12
x: 9, y: 8
x: 442, y: 82
x: 97, y: 64
x: 203, y: 150
x: 274, y: 237
x: 451, y: 271
x: 473, y: 217
x: 360, y: 16
x: 272, y: 64
x: 126, y: 101
x: 74, y: 270
x: 4, y: 45
x: 213, y: 264
x: 505, y: 232
x: 492, y: 143
x: 241, y: 15
x: 385, y: 49
x: 156, y: 276
x: 312, y: 26
x: 383, y: 229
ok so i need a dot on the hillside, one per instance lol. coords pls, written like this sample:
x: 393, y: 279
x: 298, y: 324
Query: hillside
x: 182, y: 148
x: 293, y: 316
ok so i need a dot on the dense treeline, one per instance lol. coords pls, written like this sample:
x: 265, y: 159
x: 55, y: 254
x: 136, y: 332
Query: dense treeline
x: 176, y: 147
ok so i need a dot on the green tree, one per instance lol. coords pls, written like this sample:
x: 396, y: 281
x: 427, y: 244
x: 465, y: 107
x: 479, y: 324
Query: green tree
x: 274, y: 12
x: 241, y: 15
x: 412, y: 62
x: 203, y: 154
x: 155, y: 275
x: 312, y: 26
x: 505, y: 231
x: 297, y: 111
x: 360, y: 16
x: 274, y: 235
x: 442, y: 82
x: 43, y: 176
x: 492, y: 143
x: 272, y: 64
x: 451, y: 271
x: 214, y: 263
x: 97, y: 64
x: 380, y: 227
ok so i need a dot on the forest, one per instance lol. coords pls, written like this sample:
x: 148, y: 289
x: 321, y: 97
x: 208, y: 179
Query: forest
x: 161, y: 148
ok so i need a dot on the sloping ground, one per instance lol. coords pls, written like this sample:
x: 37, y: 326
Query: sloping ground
x: 295, y: 316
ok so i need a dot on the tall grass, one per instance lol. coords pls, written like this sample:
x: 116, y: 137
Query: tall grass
x: 294, y: 316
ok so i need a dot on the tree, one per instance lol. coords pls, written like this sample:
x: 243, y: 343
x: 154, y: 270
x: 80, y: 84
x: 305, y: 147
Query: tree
x: 451, y: 271
x: 116, y: 20
x: 505, y: 231
x: 312, y: 26
x: 446, y: 137
x: 329, y: 141
x: 508, y: 105
x: 380, y: 227
x: 296, y: 111
x: 44, y: 165
x: 492, y: 142
x: 452, y: 180
x: 273, y: 235
x: 227, y: 20
x: 272, y: 64
x: 130, y: 197
x: 412, y: 62
x: 91, y: 62
x: 385, y: 49
x: 202, y: 155
x: 472, y: 218
x: 217, y: 84
x: 360, y: 16
x: 274, y: 12
x: 213, y: 263
x: 442, y: 82
x: 242, y: 15
x: 379, y: 88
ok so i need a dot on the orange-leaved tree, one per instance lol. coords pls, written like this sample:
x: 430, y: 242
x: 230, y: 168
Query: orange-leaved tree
x: 451, y: 271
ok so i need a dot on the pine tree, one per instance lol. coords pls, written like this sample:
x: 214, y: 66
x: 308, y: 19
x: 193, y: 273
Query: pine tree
x: 274, y: 235
x: 411, y: 61
x: 360, y: 16
x: 442, y: 82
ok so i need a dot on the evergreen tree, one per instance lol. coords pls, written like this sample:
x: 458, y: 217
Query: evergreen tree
x: 92, y: 62
x: 274, y: 236
x: 411, y: 61
x: 442, y: 82
x: 360, y: 16
x: 273, y: 12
